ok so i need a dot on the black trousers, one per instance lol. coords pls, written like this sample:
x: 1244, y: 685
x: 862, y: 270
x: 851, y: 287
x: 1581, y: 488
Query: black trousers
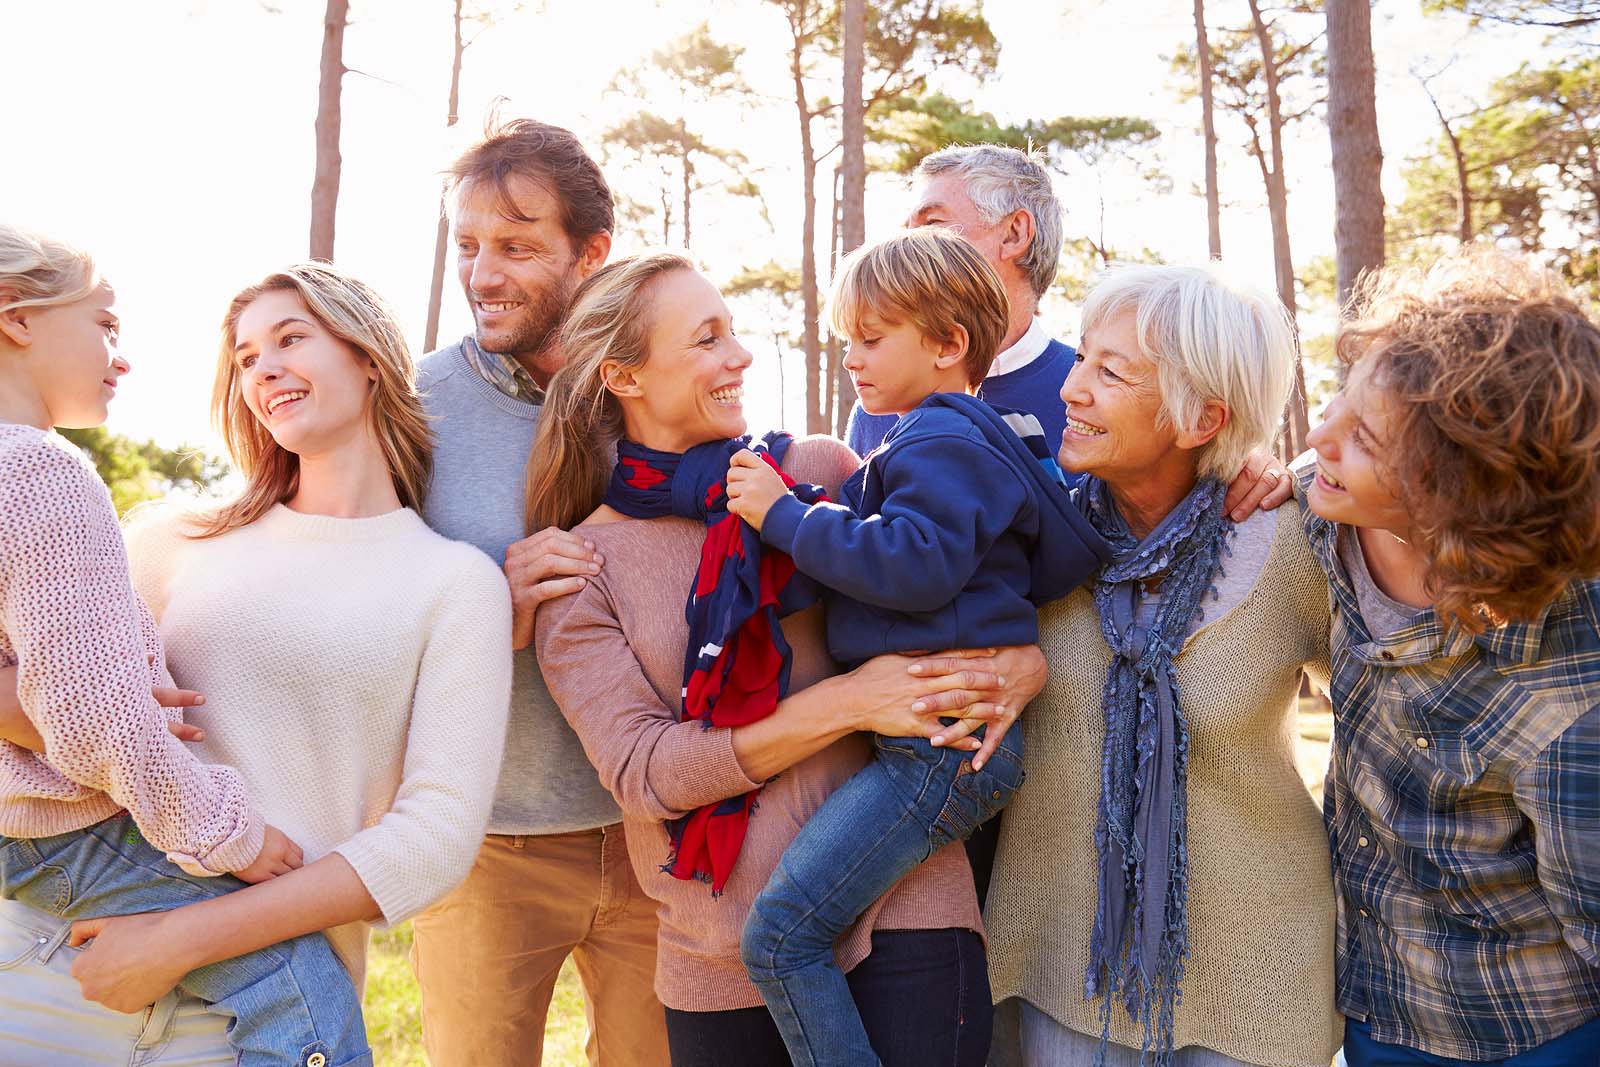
x: 923, y: 996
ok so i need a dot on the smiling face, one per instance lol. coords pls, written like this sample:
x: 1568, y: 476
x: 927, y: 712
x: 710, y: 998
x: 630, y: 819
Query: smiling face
x: 73, y: 357
x: 309, y: 388
x: 691, y: 387
x: 518, y: 274
x: 1114, y: 426
x: 1352, y: 485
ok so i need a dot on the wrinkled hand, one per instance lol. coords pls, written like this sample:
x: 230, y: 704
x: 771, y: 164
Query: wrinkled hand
x: 1022, y: 671
x: 753, y: 487
x: 128, y: 964
x: 1263, y: 484
x: 549, y: 564
x: 278, y: 855
x: 19, y: 730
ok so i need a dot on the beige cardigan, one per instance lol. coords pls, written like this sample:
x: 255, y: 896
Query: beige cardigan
x: 1259, y: 979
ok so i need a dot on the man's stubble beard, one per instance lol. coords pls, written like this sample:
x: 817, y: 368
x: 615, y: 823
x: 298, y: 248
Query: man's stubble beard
x: 535, y: 336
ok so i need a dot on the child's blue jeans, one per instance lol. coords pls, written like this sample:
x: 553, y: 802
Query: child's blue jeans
x: 292, y: 1003
x: 911, y: 799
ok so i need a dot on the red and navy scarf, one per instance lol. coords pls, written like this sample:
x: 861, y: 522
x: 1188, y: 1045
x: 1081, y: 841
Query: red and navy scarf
x: 736, y: 666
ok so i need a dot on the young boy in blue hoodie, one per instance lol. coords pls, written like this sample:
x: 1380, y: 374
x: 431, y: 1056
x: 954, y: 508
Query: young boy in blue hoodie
x: 951, y: 534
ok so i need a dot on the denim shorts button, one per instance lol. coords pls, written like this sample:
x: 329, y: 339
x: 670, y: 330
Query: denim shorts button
x: 1362, y: 841
x: 996, y: 794
x: 1422, y: 742
x: 316, y: 1059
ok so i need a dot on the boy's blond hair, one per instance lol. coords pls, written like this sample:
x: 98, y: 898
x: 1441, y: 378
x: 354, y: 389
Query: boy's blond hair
x: 932, y: 279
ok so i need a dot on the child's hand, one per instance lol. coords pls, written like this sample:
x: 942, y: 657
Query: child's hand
x: 753, y: 487
x: 278, y: 855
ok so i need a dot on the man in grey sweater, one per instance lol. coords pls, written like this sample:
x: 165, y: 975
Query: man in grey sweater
x: 532, y: 216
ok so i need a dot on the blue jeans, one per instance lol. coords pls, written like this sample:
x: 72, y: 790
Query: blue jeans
x: 292, y: 1003
x: 923, y: 995
x: 1575, y: 1048
x: 911, y: 799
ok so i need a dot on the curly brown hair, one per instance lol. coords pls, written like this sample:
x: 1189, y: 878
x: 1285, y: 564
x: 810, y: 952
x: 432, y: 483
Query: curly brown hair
x: 1492, y: 372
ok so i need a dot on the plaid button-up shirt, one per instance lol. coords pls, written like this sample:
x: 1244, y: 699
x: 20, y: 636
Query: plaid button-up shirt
x: 501, y: 371
x: 1463, y: 809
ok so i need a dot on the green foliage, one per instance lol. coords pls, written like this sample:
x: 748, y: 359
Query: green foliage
x: 136, y: 472
x: 1533, y: 171
x: 1559, y: 15
x: 771, y: 277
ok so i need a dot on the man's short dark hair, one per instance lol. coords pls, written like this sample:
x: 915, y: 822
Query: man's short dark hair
x: 550, y: 156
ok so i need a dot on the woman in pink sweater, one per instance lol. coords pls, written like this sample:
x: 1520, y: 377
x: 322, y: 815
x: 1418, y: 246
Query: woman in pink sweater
x: 651, y: 356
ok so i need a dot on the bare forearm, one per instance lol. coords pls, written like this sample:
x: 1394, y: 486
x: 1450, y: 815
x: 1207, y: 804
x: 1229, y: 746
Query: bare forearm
x: 318, y: 896
x: 803, y: 724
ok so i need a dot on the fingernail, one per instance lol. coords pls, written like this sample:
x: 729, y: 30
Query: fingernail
x: 936, y: 739
x: 199, y: 700
x: 977, y: 764
x: 594, y: 568
x: 920, y: 705
x: 589, y: 545
x: 915, y: 668
x: 1002, y: 679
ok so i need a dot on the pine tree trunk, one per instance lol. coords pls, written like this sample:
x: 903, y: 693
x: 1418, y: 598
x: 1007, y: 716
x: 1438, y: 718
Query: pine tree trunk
x: 325, y: 184
x: 1357, y: 153
x: 853, y: 195
x: 1296, y: 423
x: 808, y: 237
x: 688, y: 191
x: 441, y: 242
x: 1208, y: 121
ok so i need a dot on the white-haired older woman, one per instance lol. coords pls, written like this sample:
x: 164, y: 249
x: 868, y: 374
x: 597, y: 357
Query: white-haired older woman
x: 1165, y: 842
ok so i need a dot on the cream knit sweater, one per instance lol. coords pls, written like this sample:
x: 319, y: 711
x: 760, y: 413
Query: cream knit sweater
x: 357, y: 674
x: 1259, y: 981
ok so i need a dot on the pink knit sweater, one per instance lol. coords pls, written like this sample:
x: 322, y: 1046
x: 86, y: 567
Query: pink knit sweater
x: 87, y: 652
x: 612, y: 656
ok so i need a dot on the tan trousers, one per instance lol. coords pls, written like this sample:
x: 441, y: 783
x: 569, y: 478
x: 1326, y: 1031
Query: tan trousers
x: 487, y: 956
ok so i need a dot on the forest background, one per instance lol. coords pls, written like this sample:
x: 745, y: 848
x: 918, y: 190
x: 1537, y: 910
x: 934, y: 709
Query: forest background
x: 180, y: 141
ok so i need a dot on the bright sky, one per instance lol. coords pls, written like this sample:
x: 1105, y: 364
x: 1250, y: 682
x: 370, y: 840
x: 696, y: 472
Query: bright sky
x: 173, y: 138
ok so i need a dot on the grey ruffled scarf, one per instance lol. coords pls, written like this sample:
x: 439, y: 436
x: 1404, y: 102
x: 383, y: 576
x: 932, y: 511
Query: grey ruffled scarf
x: 1141, y: 935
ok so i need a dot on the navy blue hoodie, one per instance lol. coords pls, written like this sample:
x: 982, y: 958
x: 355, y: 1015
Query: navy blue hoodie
x: 950, y: 536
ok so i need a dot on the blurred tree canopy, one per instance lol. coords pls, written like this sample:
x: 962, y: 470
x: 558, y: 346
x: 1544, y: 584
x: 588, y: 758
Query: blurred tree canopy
x: 136, y: 472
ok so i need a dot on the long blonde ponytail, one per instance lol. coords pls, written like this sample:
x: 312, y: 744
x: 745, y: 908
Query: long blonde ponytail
x: 581, y: 421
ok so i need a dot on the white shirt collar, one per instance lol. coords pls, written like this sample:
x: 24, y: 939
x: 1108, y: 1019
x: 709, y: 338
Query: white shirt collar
x: 1029, y: 347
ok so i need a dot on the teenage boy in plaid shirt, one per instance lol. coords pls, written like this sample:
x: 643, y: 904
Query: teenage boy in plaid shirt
x: 1455, y: 502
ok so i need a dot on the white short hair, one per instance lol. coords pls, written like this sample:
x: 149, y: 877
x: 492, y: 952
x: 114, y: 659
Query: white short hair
x: 1211, y: 340
x: 1000, y: 180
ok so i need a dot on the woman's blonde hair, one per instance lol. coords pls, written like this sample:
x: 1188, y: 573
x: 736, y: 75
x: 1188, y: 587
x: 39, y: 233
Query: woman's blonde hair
x: 1210, y: 339
x: 931, y: 278
x: 37, y: 271
x: 610, y: 320
x: 1491, y: 373
x: 353, y: 312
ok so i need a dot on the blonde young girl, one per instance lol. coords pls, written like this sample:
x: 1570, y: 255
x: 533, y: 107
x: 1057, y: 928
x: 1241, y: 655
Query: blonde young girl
x: 356, y: 665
